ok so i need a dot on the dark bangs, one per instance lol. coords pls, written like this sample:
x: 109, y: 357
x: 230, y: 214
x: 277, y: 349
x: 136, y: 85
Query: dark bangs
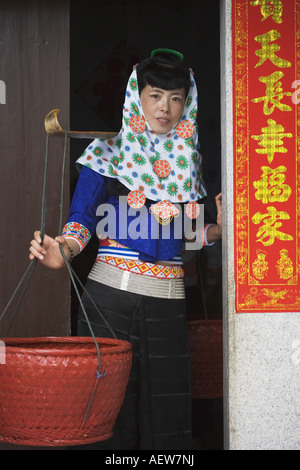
x: 160, y: 73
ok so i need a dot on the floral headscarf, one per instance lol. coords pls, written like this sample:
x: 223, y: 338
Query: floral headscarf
x: 159, y: 167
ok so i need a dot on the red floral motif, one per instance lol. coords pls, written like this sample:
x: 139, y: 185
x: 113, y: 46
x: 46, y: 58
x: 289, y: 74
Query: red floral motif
x: 136, y: 199
x: 192, y: 210
x: 162, y: 168
x: 185, y: 129
x: 164, y: 210
x: 137, y: 124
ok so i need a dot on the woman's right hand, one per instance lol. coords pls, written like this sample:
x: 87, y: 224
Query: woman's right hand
x: 49, y: 253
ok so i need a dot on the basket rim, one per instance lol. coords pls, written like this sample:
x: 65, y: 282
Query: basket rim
x: 16, y: 345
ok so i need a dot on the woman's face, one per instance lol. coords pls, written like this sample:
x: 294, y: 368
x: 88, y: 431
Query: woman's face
x: 162, y: 108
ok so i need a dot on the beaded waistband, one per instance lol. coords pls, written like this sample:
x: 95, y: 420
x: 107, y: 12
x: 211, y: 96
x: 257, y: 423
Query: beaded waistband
x: 146, y: 269
x: 131, y: 282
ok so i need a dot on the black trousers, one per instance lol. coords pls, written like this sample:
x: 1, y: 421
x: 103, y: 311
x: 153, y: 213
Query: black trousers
x: 156, y: 413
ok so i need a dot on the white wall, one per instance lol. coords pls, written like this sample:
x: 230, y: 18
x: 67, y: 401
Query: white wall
x: 261, y: 350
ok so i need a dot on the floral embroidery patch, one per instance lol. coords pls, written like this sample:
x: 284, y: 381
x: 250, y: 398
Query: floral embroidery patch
x: 193, y: 210
x: 162, y: 168
x: 164, y: 210
x: 136, y: 199
x: 137, y: 124
x: 185, y: 129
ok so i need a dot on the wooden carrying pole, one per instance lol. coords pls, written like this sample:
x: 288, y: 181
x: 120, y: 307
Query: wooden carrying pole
x: 53, y: 127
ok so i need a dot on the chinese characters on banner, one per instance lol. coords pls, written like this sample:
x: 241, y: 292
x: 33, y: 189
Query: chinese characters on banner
x: 266, y: 124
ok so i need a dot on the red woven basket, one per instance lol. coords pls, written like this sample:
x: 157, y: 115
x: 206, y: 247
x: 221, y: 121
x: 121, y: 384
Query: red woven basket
x: 206, y: 350
x: 46, y: 385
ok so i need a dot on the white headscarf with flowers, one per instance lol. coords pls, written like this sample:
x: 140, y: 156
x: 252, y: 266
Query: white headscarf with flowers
x: 160, y: 167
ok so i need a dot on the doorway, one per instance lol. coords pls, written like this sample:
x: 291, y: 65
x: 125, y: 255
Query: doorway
x: 108, y: 37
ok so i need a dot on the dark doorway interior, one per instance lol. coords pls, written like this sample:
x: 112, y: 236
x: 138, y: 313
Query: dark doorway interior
x: 111, y: 36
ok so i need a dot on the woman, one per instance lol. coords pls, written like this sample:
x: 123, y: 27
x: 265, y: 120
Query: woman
x: 145, y: 179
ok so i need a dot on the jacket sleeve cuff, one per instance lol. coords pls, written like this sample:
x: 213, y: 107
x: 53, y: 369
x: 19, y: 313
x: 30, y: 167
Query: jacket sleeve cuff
x: 77, y: 232
x: 204, y: 236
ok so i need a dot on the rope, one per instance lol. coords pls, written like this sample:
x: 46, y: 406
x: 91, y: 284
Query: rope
x: 72, y: 273
x: 74, y: 278
x: 30, y: 267
x: 29, y: 271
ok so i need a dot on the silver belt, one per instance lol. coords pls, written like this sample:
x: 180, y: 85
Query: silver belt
x: 113, y: 276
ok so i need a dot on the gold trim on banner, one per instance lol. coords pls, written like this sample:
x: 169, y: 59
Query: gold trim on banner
x: 242, y: 142
x: 251, y: 293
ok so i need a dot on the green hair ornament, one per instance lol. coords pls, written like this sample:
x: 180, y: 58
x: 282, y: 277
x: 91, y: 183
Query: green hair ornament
x: 170, y: 51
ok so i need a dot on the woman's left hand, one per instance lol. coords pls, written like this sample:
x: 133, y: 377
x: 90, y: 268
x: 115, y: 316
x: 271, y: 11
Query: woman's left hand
x: 214, y: 231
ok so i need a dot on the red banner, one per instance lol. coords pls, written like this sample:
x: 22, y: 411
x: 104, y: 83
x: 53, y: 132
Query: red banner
x: 266, y: 124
